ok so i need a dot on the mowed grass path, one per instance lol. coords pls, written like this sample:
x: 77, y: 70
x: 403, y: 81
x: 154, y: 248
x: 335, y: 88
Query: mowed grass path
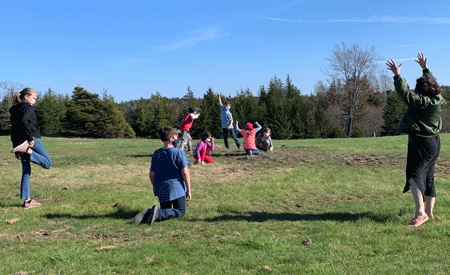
x: 332, y: 206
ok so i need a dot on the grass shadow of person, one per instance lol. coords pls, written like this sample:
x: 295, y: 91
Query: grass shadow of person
x: 120, y: 213
x: 329, y: 216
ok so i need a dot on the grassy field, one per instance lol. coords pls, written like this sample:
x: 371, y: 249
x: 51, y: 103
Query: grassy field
x: 332, y: 206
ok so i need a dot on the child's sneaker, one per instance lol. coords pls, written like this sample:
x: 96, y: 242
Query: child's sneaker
x: 139, y: 217
x: 22, y: 148
x: 154, y: 215
x: 30, y: 204
x: 203, y: 163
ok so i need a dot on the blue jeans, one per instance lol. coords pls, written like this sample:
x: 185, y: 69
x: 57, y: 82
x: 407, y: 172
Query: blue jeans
x: 178, y: 210
x: 38, y: 156
x: 233, y: 135
x: 254, y: 151
x: 186, y: 140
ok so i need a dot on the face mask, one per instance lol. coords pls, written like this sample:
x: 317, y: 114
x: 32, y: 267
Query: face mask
x: 227, y: 108
x: 266, y: 134
x: 208, y: 140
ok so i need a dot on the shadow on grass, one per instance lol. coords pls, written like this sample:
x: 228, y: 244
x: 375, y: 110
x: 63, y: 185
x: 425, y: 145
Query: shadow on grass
x: 332, y: 216
x: 248, y: 216
x: 140, y: 156
x: 120, y: 214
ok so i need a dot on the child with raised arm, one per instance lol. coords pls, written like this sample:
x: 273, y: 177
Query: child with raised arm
x: 170, y: 178
x: 202, y: 152
x: 249, y: 134
x: 422, y: 122
x: 185, y: 127
x: 227, y: 123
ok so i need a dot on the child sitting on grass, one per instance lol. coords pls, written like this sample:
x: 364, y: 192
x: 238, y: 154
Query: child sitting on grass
x: 263, y: 140
x: 249, y: 137
x: 170, y: 178
x: 202, y: 152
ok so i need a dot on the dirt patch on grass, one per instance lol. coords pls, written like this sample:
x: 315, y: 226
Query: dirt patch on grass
x: 236, y: 165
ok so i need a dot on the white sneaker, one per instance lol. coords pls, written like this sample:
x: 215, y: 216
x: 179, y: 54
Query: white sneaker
x: 22, y: 148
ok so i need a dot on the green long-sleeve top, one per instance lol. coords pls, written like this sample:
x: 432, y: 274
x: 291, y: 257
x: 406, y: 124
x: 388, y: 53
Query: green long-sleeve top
x: 423, y: 116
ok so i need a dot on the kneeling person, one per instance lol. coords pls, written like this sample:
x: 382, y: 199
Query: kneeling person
x: 169, y: 176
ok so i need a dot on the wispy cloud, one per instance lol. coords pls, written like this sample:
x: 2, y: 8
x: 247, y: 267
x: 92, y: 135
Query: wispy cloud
x: 372, y: 19
x: 395, y: 19
x: 397, y: 60
x: 284, y: 20
x: 287, y: 7
x: 194, y: 38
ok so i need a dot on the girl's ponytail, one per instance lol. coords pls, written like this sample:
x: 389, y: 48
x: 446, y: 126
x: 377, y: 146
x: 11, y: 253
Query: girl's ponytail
x: 16, y: 98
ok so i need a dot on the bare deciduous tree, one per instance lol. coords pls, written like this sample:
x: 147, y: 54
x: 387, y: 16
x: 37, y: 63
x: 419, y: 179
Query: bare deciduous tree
x: 353, y: 66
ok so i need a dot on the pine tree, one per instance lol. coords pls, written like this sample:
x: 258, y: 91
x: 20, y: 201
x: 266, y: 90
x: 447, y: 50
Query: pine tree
x: 392, y: 114
x: 210, y: 115
x: 296, y: 109
x: 160, y: 114
x: 278, y: 117
x: 140, y: 118
x: 50, y: 113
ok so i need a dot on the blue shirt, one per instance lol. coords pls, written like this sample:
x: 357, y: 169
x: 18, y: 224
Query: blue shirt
x: 167, y: 164
x: 225, y: 116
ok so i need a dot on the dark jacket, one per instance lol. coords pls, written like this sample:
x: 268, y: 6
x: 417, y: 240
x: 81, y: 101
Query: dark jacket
x: 423, y: 116
x: 24, y: 123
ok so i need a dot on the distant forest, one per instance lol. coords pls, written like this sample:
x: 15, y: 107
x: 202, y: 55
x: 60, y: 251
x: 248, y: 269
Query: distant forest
x: 357, y: 101
x: 280, y: 107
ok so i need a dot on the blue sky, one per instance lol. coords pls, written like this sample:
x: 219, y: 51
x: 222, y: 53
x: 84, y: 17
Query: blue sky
x: 137, y: 48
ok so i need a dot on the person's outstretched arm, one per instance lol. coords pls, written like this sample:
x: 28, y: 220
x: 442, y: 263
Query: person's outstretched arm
x: 393, y: 67
x: 422, y: 61
x: 220, y: 99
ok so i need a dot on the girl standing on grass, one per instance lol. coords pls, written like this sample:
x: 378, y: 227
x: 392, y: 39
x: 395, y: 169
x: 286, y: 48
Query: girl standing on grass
x: 422, y: 121
x: 26, y: 140
x: 202, y: 152
x: 249, y: 137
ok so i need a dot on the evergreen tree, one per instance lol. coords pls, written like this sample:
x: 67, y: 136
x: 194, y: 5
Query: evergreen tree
x: 296, y: 109
x: 140, y: 118
x: 9, y: 88
x: 392, y: 113
x: 113, y: 124
x: 321, y: 123
x: 88, y: 115
x: 279, y: 120
x: 245, y: 107
x: 210, y: 115
x: 160, y: 114
x: 50, y: 113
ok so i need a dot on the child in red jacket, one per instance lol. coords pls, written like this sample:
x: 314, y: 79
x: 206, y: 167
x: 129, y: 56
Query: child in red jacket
x: 185, y: 126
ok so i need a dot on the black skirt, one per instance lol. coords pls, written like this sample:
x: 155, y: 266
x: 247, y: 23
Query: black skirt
x: 423, y: 153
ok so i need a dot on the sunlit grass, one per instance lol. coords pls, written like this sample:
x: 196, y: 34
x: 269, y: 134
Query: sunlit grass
x: 310, y: 207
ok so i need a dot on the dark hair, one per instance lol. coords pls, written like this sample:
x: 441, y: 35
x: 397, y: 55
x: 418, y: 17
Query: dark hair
x: 192, y: 109
x: 206, y: 135
x: 166, y: 132
x: 266, y: 130
x: 227, y: 103
x: 428, y: 86
x: 20, y: 95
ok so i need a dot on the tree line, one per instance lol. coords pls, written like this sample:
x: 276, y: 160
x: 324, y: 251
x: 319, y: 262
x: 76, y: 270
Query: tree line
x: 357, y: 101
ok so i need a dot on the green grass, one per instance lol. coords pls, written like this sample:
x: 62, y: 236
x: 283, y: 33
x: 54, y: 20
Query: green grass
x: 246, y: 216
